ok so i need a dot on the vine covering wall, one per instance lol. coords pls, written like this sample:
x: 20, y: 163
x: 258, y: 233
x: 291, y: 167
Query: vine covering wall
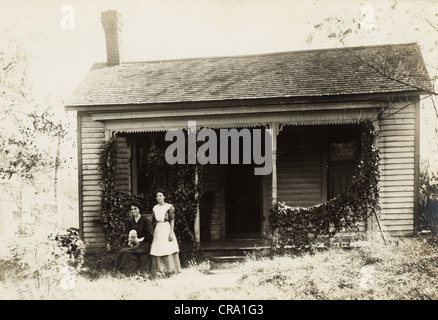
x: 300, y: 227
x: 177, y: 180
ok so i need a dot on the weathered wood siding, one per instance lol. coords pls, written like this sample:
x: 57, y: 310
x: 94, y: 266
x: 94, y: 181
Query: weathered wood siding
x: 399, y: 168
x: 92, y: 137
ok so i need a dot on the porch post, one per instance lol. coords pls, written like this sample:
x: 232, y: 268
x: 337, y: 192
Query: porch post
x: 372, y: 221
x: 108, y: 134
x: 197, y: 218
x: 274, y: 130
x: 192, y: 129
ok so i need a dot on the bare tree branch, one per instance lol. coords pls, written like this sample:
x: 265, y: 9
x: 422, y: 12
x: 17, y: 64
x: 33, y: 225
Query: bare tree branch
x: 430, y: 23
x: 404, y: 107
x: 434, y: 106
x: 431, y: 92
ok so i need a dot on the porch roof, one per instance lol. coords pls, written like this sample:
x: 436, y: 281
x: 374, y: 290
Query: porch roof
x: 314, y: 73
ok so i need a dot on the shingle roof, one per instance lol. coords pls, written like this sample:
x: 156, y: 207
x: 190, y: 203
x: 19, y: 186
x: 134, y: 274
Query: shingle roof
x: 326, y: 72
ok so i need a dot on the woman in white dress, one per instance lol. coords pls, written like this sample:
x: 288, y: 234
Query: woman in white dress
x: 164, y: 248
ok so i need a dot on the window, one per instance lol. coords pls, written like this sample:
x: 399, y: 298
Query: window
x: 343, y: 153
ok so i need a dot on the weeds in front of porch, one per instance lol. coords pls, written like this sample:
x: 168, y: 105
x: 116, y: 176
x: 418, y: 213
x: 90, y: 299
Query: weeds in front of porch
x: 104, y: 263
x: 202, y: 267
x: 403, y: 269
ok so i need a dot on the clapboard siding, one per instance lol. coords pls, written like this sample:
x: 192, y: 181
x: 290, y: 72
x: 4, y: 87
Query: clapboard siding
x: 398, y: 169
x: 389, y: 161
x: 397, y: 188
x: 299, y: 172
x: 91, y: 144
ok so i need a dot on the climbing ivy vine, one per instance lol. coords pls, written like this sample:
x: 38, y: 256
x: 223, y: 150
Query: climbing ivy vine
x: 177, y: 180
x: 301, y: 227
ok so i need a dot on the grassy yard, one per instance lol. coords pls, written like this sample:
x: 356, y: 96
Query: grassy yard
x: 403, y: 269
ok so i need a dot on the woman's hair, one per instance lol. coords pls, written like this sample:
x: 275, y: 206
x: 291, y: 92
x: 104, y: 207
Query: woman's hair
x: 136, y: 204
x: 160, y: 190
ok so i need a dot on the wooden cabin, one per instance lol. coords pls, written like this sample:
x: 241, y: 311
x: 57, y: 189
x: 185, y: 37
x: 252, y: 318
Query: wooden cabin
x: 312, y: 101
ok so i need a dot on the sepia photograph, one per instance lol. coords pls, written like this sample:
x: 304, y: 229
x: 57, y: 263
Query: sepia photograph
x: 233, y: 152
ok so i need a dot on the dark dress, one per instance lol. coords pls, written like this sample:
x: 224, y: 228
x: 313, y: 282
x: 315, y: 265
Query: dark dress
x: 137, y: 258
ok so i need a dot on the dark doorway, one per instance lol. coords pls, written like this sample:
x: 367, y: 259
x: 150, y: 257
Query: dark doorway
x: 243, y: 202
x: 206, y: 211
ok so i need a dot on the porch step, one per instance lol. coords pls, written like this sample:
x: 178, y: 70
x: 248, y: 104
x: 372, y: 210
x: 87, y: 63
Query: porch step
x: 232, y: 247
x: 225, y: 262
x: 227, y: 253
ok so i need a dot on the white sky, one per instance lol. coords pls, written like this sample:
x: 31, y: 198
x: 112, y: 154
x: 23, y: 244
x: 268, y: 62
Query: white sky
x: 168, y: 29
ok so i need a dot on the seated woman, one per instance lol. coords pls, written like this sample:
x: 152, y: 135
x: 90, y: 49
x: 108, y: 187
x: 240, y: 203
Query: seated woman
x: 136, y: 258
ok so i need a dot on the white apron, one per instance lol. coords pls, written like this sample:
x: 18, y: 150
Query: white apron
x: 161, y: 246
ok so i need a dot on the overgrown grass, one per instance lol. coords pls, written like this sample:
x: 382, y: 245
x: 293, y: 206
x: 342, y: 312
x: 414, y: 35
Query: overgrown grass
x: 403, y: 269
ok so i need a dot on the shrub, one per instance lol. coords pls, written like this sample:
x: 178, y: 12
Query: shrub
x: 74, y: 245
x: 10, y: 269
x: 428, y: 201
x: 45, y: 260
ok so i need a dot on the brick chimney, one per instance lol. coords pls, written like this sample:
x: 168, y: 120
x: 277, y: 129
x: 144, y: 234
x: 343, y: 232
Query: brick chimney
x: 112, y: 26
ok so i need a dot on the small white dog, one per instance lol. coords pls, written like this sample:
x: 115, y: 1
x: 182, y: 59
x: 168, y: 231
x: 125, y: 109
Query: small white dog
x: 133, y: 240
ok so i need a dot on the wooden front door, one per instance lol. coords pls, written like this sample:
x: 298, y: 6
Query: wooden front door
x: 243, y: 199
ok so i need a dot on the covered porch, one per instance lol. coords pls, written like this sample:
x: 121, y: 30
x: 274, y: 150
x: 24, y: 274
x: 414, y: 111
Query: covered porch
x: 313, y: 157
